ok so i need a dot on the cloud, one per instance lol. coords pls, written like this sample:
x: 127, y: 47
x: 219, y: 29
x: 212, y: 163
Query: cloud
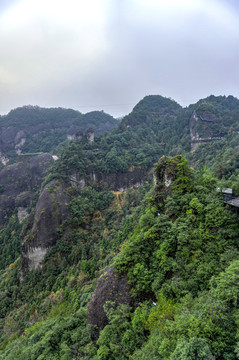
x: 6, y: 77
x: 39, y: 43
x: 88, y: 54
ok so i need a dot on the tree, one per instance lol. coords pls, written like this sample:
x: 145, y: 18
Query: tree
x: 192, y: 349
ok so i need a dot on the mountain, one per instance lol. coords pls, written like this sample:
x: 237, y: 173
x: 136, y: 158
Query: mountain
x: 127, y: 250
x: 150, y: 108
x: 212, y: 118
x: 34, y: 129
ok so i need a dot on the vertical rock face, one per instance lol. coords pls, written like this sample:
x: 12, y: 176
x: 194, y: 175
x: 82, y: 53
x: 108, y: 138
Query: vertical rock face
x: 12, y: 137
x: 133, y: 178
x: 8, y: 136
x: 90, y: 135
x: 204, y: 127
x: 51, y: 210
x: 22, y: 214
x: 18, y: 183
x: 165, y: 174
x: 110, y: 287
x: 172, y: 173
x: 34, y: 257
x: 19, y: 141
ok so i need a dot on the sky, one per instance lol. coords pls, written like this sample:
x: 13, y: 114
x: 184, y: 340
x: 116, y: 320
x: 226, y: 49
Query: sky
x: 108, y: 54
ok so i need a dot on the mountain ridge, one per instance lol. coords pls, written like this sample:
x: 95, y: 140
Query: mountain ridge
x: 142, y: 261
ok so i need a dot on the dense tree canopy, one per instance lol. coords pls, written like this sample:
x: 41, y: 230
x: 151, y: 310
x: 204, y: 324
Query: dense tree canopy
x: 173, y: 239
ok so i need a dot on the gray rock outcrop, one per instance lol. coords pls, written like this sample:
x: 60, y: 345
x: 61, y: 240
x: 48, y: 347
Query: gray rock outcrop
x: 133, y: 178
x: 19, y: 182
x: 41, y: 231
x: 110, y: 287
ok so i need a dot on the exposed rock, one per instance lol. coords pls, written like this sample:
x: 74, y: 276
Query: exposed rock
x: 22, y: 214
x: 51, y: 210
x: 19, y: 141
x: 32, y: 120
x: 110, y: 287
x: 133, y: 178
x: 171, y: 173
x: 4, y: 160
x: 90, y: 135
x: 8, y: 138
x: 22, y: 199
x: 79, y: 135
x: 19, y: 183
x: 202, y: 128
x: 77, y: 182
x: 121, y: 181
x: 70, y: 137
x: 20, y: 138
x: 35, y: 256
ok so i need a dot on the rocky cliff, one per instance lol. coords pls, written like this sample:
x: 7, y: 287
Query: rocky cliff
x: 110, y: 287
x: 19, y: 183
x: 52, y: 209
x: 204, y: 127
x: 40, y: 233
x: 121, y: 181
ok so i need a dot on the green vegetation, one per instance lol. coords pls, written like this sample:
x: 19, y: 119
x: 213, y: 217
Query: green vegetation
x: 30, y: 115
x: 46, y: 130
x: 139, y: 141
x: 9, y: 242
x: 45, y: 141
x: 174, y: 240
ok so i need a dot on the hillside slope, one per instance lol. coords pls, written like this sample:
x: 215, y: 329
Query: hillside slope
x: 35, y: 129
x: 125, y: 256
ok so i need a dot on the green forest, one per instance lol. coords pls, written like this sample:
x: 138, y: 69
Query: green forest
x: 144, y: 271
x: 33, y: 129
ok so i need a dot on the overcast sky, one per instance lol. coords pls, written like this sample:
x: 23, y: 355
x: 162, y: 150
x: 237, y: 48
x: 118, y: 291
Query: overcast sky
x: 108, y: 54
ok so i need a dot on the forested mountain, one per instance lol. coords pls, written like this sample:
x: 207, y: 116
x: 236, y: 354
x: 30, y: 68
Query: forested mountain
x: 128, y: 250
x: 32, y: 129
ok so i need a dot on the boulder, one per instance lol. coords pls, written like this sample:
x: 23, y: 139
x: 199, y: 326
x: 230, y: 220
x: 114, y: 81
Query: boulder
x: 110, y: 287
